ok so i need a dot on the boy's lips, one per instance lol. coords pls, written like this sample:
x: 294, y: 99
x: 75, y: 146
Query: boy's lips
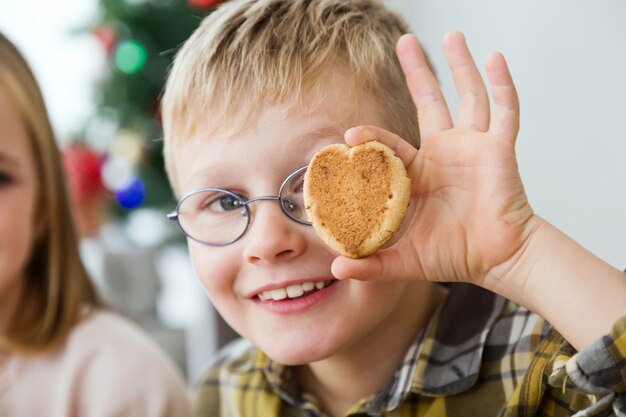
x: 300, y: 301
x: 290, y: 290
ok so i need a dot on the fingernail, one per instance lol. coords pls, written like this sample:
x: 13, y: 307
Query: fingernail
x: 361, y: 134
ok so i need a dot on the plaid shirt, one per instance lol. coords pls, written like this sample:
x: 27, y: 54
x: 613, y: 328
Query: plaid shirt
x: 480, y: 355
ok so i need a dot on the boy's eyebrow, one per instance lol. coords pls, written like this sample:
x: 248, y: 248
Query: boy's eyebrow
x: 203, y: 177
x: 323, y: 132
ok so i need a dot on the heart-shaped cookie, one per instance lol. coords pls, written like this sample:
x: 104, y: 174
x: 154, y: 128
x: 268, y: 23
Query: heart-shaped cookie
x: 356, y: 197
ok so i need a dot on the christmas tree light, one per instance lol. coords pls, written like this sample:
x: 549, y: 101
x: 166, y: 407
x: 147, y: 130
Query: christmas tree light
x: 140, y: 39
x: 130, y: 56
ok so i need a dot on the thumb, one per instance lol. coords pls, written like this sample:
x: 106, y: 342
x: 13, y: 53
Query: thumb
x: 384, y: 265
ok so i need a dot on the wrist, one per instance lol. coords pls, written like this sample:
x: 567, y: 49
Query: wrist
x: 510, y: 278
x: 575, y: 291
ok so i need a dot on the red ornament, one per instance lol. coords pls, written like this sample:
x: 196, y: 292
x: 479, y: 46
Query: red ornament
x: 203, y: 4
x: 107, y: 37
x: 83, y: 168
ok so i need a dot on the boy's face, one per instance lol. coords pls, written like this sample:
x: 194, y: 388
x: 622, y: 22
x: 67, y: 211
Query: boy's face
x: 276, y: 252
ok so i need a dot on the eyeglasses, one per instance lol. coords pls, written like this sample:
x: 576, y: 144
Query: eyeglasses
x: 218, y: 217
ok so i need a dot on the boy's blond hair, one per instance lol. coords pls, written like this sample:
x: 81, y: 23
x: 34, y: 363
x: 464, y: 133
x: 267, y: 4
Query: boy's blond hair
x: 248, y: 54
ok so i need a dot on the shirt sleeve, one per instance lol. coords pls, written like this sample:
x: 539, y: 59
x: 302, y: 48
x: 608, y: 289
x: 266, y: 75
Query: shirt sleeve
x: 598, y: 371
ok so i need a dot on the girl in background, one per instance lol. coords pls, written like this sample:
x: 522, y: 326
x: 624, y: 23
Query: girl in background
x: 62, y: 353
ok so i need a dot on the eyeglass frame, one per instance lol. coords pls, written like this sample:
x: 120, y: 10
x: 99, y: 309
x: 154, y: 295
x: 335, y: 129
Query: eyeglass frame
x: 173, y: 216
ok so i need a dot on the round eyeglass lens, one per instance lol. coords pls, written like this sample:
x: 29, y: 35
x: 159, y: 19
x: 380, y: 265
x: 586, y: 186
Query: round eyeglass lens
x: 292, y: 197
x: 213, y: 216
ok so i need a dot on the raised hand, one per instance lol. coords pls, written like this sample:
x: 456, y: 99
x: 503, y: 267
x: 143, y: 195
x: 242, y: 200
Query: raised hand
x: 469, y: 218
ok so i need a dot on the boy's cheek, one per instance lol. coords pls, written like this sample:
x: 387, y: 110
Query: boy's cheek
x: 217, y: 270
x: 214, y: 270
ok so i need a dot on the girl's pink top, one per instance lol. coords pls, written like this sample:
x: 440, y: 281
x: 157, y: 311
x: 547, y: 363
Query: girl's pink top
x: 107, y: 367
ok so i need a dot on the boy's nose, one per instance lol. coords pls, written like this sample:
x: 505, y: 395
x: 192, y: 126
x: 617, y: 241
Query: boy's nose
x: 272, y: 237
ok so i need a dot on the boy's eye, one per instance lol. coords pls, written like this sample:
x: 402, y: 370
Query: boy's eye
x: 223, y: 202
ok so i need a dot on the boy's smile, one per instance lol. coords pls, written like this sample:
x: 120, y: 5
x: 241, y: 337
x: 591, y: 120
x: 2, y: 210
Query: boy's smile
x: 274, y: 285
x: 294, y: 297
x: 292, y: 290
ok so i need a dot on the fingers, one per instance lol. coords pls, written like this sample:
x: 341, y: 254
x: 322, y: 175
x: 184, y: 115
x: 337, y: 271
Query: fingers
x: 505, y: 118
x: 474, y: 110
x: 403, y: 150
x: 432, y: 110
x: 474, y: 102
x: 382, y: 265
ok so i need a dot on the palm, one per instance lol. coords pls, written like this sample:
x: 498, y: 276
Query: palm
x: 469, y: 214
x: 470, y: 207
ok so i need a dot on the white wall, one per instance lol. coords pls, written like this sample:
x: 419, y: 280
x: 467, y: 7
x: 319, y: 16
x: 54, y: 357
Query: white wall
x: 568, y: 59
x: 65, y: 64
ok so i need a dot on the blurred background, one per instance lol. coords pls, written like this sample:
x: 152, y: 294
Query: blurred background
x: 102, y: 64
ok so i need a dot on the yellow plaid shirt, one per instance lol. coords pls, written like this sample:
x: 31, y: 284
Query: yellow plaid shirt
x: 480, y: 355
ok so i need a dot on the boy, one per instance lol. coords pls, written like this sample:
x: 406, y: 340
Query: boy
x: 253, y: 94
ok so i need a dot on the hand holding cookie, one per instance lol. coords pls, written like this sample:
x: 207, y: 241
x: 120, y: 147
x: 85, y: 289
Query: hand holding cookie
x: 469, y: 217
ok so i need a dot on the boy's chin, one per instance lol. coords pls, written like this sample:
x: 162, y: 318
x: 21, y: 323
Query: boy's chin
x: 294, y: 354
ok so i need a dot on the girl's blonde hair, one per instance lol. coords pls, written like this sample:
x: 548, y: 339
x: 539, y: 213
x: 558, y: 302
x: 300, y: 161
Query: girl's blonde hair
x: 57, y: 287
x: 252, y: 53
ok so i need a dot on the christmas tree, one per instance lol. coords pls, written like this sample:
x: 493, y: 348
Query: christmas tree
x: 140, y: 39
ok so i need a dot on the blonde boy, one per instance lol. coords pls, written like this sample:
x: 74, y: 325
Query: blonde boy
x: 253, y: 94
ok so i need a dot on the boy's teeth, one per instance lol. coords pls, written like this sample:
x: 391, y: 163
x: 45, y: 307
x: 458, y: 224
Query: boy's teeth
x: 278, y: 294
x: 292, y: 291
